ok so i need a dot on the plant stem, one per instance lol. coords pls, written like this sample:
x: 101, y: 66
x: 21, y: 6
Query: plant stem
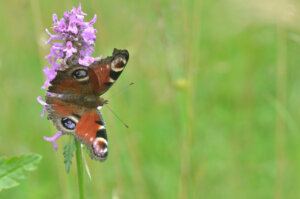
x: 280, y: 132
x: 79, y: 170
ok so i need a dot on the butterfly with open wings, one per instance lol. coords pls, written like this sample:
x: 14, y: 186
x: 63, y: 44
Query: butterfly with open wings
x: 73, y: 100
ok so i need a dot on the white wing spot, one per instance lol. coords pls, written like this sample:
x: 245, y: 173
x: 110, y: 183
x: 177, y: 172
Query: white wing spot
x: 99, y: 108
x: 101, y: 127
x: 117, y: 69
x: 111, y: 80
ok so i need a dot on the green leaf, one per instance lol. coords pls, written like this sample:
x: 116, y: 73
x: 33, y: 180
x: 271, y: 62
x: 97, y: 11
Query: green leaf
x: 12, y: 170
x: 69, y: 148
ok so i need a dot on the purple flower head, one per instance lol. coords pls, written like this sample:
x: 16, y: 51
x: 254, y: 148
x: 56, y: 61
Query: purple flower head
x: 72, y: 37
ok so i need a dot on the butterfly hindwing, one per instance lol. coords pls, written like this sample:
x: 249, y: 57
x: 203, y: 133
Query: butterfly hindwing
x: 86, y: 125
x: 91, y: 131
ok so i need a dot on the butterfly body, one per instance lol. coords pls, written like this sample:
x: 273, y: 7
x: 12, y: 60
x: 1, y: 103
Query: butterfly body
x: 74, y: 96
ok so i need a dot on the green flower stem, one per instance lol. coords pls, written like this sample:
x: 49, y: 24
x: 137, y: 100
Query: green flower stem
x: 79, y: 170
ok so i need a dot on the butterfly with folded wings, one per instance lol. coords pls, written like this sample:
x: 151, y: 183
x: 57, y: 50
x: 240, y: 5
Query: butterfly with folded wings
x: 73, y: 100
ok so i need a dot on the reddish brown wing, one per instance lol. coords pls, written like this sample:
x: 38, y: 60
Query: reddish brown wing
x: 93, y: 80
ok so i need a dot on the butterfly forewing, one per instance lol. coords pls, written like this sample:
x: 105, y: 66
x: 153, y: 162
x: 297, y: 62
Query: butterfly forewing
x: 108, y: 70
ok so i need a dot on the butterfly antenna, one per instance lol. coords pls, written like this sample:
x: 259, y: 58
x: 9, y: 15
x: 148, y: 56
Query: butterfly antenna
x: 120, y: 91
x: 117, y: 116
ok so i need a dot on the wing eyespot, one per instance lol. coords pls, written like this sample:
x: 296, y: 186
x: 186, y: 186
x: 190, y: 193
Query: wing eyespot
x: 100, y: 148
x: 80, y: 74
x: 68, y: 123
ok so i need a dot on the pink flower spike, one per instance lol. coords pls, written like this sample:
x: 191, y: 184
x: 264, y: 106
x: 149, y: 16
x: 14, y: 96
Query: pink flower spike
x: 53, y: 139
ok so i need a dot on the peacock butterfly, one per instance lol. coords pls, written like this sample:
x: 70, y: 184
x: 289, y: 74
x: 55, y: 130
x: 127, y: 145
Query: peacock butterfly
x: 73, y: 100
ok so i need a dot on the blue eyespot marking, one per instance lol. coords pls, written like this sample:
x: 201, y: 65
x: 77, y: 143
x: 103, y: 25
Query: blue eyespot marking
x: 67, y: 123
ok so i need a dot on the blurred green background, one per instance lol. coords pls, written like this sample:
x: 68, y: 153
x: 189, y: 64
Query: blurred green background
x: 214, y: 112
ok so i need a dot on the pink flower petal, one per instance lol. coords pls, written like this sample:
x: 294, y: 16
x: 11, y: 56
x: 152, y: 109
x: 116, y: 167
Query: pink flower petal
x: 53, y: 139
x: 50, y: 75
x: 39, y: 99
x: 93, y: 20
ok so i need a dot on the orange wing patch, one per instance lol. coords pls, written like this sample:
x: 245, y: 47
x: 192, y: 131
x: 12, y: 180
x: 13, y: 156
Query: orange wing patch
x: 61, y: 107
x: 87, y: 126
